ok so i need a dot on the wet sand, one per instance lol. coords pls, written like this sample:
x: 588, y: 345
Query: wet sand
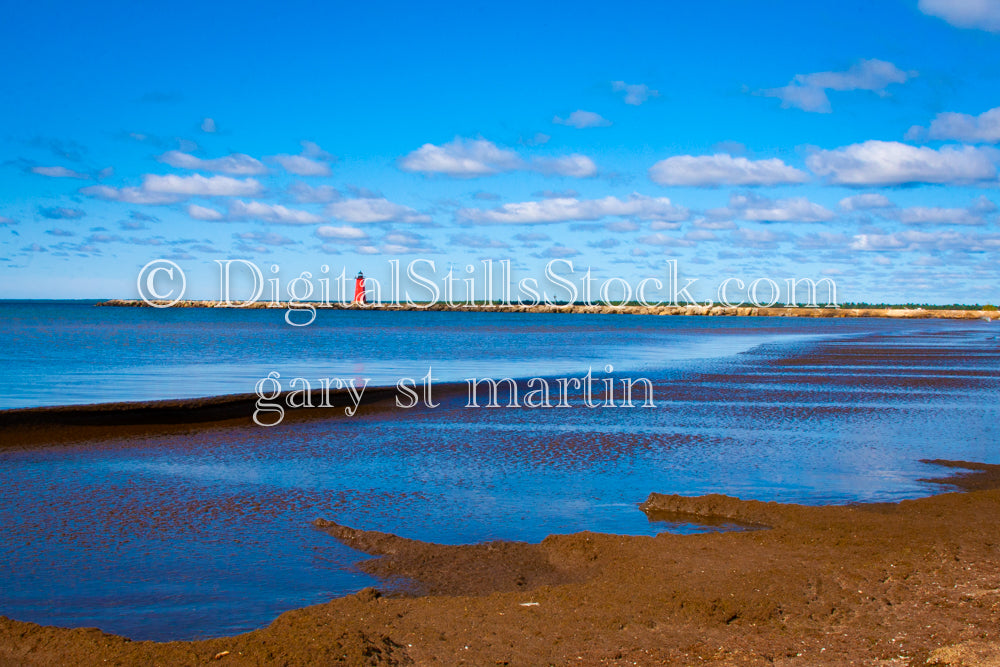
x: 915, y: 582
x: 910, y: 583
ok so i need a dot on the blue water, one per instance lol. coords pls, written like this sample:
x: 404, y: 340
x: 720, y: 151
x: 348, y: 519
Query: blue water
x: 66, y: 353
x: 207, y: 532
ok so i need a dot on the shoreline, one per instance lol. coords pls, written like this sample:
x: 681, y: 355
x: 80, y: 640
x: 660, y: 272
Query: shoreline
x: 687, y: 310
x: 912, y: 582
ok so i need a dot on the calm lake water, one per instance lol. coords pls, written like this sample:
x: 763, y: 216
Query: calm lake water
x: 208, y: 533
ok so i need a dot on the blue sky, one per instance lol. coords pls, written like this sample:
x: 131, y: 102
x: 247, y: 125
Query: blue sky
x: 856, y: 141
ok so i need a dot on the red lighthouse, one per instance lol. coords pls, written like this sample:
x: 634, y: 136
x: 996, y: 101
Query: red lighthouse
x: 359, y: 288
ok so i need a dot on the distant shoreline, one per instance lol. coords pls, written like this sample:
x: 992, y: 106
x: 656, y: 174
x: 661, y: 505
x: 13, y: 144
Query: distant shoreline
x: 686, y: 310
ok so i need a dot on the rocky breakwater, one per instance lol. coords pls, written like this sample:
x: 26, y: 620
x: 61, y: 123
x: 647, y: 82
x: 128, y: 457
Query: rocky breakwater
x: 713, y: 310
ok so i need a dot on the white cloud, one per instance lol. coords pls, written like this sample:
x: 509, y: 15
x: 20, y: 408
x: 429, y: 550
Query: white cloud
x: 808, y: 91
x: 980, y: 14
x: 761, y: 209
x: 307, y: 194
x: 302, y: 166
x: 312, y: 161
x: 343, y: 233
x: 204, y: 213
x: 59, y: 172
x: 722, y: 169
x: 208, y: 125
x: 894, y: 163
x: 581, y: 119
x: 462, y: 158
x: 635, y: 93
x: 822, y: 241
x: 664, y: 224
x: 665, y: 240
x: 572, y: 209
x: 622, y: 226
x: 197, y: 185
x: 559, y: 252
x: 374, y: 210
x: 469, y: 158
x: 865, y: 202
x: 932, y: 215
x: 129, y: 195
x: 758, y: 238
x: 912, y: 239
x: 806, y: 98
x: 236, y: 164
x: 256, y: 210
x: 576, y: 166
x: 981, y: 129
x: 701, y: 235
x: 171, y: 188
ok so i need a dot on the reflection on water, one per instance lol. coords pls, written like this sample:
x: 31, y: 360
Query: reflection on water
x: 208, y: 533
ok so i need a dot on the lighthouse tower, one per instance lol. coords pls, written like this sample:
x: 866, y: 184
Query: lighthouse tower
x: 359, y: 288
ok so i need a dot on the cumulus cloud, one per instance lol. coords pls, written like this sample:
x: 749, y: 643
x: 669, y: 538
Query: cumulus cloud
x: 808, y: 91
x: 759, y: 238
x: 308, y: 194
x: 558, y: 252
x: 822, y: 241
x: 761, y: 209
x: 379, y: 209
x: 581, y: 119
x: 236, y: 164
x: 635, y: 93
x: 461, y: 157
x: 168, y: 189
x: 660, y: 239
x: 912, y: 239
x: 59, y: 172
x: 477, y: 241
x: 979, y: 14
x: 572, y: 209
x: 894, y: 163
x: 341, y: 233
x: 973, y: 214
x: 576, y: 166
x: 312, y: 161
x: 470, y: 158
x: 865, y: 202
x: 981, y: 129
x: 723, y: 169
x: 934, y: 215
x: 204, y: 213
x: 129, y: 195
x: 60, y: 213
x: 200, y: 186
x: 256, y: 210
x: 604, y: 244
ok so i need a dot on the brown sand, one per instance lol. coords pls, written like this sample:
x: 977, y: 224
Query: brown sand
x: 916, y: 582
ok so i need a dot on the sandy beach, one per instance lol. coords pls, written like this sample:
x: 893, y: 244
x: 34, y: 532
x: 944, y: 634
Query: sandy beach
x: 908, y: 583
